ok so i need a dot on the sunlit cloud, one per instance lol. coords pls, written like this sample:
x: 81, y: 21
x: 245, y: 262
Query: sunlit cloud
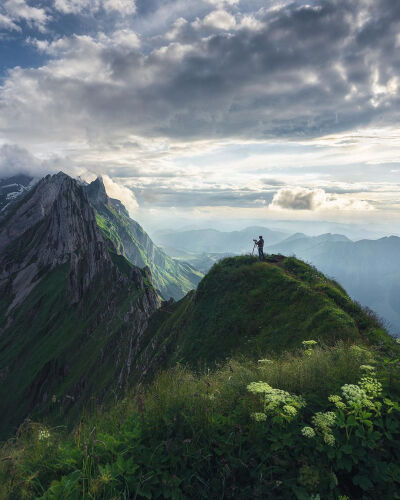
x: 247, y: 107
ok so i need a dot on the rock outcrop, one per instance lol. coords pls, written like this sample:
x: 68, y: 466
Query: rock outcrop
x: 171, y: 277
x: 72, y: 311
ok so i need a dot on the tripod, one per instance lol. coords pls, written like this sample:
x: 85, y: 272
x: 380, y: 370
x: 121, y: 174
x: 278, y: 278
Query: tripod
x: 254, y: 247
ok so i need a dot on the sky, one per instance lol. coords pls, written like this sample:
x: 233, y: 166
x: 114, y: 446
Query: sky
x: 205, y: 111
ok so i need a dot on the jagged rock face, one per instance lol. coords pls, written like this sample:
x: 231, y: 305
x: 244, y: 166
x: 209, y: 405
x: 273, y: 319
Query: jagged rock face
x: 171, y: 277
x: 53, y: 226
x: 72, y: 312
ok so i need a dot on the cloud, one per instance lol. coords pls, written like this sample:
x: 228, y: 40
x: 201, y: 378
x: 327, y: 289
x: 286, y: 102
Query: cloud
x: 16, y: 160
x: 222, y: 3
x: 7, y: 23
x: 219, y: 19
x: 13, y: 11
x: 186, y: 96
x: 122, y: 193
x: 297, y: 76
x: 124, y: 7
x: 299, y: 198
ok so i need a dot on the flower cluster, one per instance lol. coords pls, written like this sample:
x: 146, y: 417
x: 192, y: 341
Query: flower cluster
x: 308, y: 346
x: 43, y: 434
x: 276, y: 402
x: 354, y: 394
x: 309, y: 343
x: 371, y: 386
x: 337, y: 401
x: 308, y: 432
x: 259, y: 417
x: 367, y: 368
x: 324, y: 421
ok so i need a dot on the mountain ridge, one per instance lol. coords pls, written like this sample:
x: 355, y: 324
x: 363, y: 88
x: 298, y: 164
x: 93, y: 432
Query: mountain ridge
x: 171, y: 277
x: 72, y: 311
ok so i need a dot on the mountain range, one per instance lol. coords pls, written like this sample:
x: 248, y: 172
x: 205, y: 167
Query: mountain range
x: 368, y: 269
x: 172, y: 278
x: 111, y: 392
x: 214, y: 241
x: 71, y: 310
x: 77, y: 290
x: 78, y: 315
x: 11, y: 189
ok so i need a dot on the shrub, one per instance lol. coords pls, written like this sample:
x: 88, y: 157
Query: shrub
x: 247, y: 430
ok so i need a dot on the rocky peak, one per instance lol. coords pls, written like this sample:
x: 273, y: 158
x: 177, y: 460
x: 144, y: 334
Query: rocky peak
x: 96, y: 192
x: 54, y: 225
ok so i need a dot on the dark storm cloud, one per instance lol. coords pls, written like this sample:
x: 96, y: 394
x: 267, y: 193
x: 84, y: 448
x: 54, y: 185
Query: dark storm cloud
x: 309, y: 71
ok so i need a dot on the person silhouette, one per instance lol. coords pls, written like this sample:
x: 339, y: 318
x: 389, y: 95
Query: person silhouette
x: 260, y: 245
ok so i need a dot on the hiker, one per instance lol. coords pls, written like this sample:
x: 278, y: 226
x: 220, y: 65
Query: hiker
x: 260, y: 244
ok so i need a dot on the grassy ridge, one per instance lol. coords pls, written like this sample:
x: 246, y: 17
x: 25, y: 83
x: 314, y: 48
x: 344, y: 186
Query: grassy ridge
x: 277, y: 385
x: 250, y: 307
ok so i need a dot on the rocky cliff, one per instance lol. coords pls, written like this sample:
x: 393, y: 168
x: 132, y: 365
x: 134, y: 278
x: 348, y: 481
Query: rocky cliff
x: 72, y: 311
x: 171, y: 277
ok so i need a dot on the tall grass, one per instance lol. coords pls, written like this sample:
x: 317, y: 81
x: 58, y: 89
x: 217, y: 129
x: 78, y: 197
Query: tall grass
x: 178, y: 428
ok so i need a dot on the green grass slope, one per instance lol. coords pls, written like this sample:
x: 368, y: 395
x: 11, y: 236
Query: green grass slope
x: 274, y: 420
x: 56, y: 356
x: 243, y: 306
x: 171, y: 277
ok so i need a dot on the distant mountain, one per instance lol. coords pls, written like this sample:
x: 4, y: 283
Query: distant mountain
x: 72, y: 311
x: 171, y: 277
x: 214, y: 241
x: 368, y: 269
x: 11, y: 190
x: 299, y: 241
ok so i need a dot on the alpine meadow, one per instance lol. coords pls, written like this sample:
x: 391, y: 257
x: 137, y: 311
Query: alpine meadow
x: 199, y: 249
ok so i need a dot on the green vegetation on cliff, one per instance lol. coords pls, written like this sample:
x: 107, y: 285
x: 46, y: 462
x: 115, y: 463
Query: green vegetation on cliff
x: 55, y: 356
x: 172, y: 278
x: 246, y: 307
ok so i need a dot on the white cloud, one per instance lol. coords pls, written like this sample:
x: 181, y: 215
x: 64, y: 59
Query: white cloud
x: 13, y: 11
x: 300, y: 198
x: 7, y: 23
x: 219, y: 19
x: 16, y: 160
x: 177, y: 26
x: 124, y: 7
x: 222, y: 3
x: 121, y: 6
x: 122, y: 193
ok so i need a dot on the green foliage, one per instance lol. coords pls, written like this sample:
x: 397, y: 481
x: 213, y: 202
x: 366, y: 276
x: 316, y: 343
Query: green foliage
x: 250, y: 307
x: 127, y: 238
x: 189, y: 435
x: 54, y: 348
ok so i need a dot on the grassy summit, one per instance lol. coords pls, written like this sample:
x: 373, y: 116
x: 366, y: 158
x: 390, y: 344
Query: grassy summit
x: 246, y: 307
